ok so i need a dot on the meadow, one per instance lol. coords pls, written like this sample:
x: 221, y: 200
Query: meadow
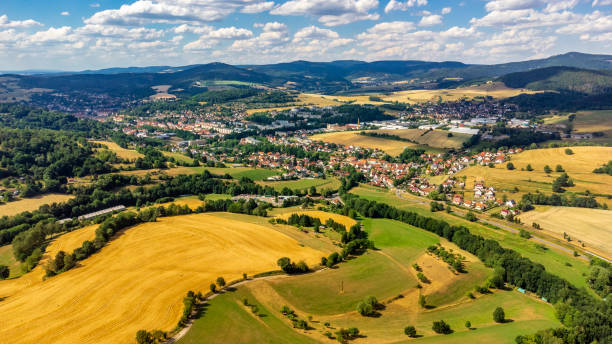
x: 323, y: 216
x: 331, y: 296
x: 116, y: 292
x: 556, y: 261
x: 256, y: 174
x: 31, y: 204
x: 431, y: 138
x: 353, y: 138
x: 591, y: 226
x: 588, y: 122
x: 121, y: 152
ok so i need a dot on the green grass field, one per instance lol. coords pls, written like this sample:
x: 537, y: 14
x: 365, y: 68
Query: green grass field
x: 8, y: 259
x: 302, y: 184
x: 332, y: 295
x: 255, y: 174
x: 554, y: 261
x: 179, y: 157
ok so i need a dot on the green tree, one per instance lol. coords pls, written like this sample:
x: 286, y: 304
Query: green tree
x: 213, y: 287
x: 4, y: 272
x: 410, y: 331
x: 468, y: 324
x: 471, y: 217
x: 422, y: 301
x: 498, y: 315
x: 144, y: 337
x: 221, y: 282
x: 547, y: 169
x: 559, y: 168
x: 529, y: 168
x: 510, y: 166
x: 441, y: 327
x: 568, y: 151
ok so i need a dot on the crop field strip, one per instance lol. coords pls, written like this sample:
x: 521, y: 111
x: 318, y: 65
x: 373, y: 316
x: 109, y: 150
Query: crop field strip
x: 121, y: 292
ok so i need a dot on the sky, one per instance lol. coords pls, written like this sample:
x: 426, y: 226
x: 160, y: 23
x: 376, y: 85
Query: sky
x: 93, y: 34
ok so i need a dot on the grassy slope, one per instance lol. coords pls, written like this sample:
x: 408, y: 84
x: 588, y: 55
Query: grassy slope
x: 320, y: 184
x: 553, y: 260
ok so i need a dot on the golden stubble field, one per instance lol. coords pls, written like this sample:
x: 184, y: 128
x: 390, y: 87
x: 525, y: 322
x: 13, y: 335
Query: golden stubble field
x: 353, y: 138
x: 323, y: 216
x: 579, y: 166
x: 592, y: 226
x: 30, y: 204
x: 433, y: 138
x: 139, y: 279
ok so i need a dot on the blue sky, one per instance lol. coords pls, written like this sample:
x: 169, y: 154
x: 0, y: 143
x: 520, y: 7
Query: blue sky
x: 82, y: 34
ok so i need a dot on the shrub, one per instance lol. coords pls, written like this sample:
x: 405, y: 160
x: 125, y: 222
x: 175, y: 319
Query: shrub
x: 410, y: 331
x: 4, y: 272
x: 510, y: 166
x: 213, y: 287
x: 441, y: 327
x: 422, y: 301
x: 468, y: 324
x: 221, y: 282
x: 498, y: 315
x: 568, y: 151
x: 471, y: 217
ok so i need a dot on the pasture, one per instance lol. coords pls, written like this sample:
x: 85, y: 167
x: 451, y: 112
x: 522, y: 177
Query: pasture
x: 332, y: 295
x: 592, y: 226
x: 579, y: 166
x: 121, y: 152
x: 588, y: 122
x: 353, y: 138
x: 139, y: 279
x: 304, y: 184
x: 178, y: 157
x: 31, y: 204
x: 431, y: 138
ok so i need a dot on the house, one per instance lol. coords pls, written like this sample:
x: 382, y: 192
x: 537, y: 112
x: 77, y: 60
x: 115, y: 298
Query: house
x: 468, y: 204
x: 510, y: 204
x: 457, y: 199
x: 478, y: 193
x: 480, y: 206
x: 505, y: 212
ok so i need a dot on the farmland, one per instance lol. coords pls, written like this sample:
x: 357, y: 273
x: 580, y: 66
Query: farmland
x: 323, y: 216
x: 592, y: 226
x: 30, y: 204
x: 353, y: 138
x: 332, y: 295
x: 587, y: 122
x: 303, y: 184
x: 122, y: 292
x: 579, y: 166
x: 431, y: 138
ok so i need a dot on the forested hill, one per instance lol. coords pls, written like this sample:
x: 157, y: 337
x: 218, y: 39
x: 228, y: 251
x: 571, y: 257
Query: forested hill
x: 562, y: 79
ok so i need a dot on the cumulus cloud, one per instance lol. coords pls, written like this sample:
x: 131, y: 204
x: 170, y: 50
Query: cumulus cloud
x: 258, y: 7
x: 601, y: 3
x: 6, y: 23
x: 169, y: 11
x: 65, y: 13
x: 395, y: 5
x: 431, y: 20
x: 446, y: 10
x: 594, y: 27
x: 330, y: 12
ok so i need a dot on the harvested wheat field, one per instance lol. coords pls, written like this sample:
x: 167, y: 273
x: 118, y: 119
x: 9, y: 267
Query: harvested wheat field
x: 121, y: 152
x: 579, y: 166
x: 139, y: 279
x: 592, y: 226
x: 432, y: 138
x: 323, y: 216
x: 30, y: 204
x: 353, y: 138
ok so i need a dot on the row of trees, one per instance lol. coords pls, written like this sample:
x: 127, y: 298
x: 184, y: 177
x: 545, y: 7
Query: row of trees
x: 559, y: 200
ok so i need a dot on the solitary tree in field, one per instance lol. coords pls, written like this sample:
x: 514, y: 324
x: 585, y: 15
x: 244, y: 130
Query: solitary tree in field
x: 529, y: 168
x: 221, y: 282
x: 547, y: 169
x: 213, y: 287
x: 441, y: 327
x: 422, y: 301
x: 510, y: 166
x: 559, y: 168
x: 410, y: 331
x: 498, y: 315
x: 468, y: 325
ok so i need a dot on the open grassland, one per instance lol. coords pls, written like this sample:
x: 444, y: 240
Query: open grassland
x: 579, y: 166
x: 255, y: 174
x: 121, y: 152
x: 323, y: 216
x: 302, y: 184
x: 557, y: 262
x: 353, y: 138
x: 432, y: 138
x: 139, y: 279
x: 8, y: 259
x: 179, y: 157
x: 588, y: 122
x: 592, y: 226
x: 30, y: 204
x: 495, y: 90
x: 332, y: 296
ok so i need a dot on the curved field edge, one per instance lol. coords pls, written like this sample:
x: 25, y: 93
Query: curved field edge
x: 139, y: 279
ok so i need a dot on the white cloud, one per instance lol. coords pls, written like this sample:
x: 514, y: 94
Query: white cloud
x: 330, y: 12
x: 54, y: 35
x: 94, y: 5
x: 210, y: 36
x: 258, y: 8
x: 601, y: 3
x: 395, y: 5
x: 65, y: 13
x: 446, y: 10
x: 169, y: 11
x: 431, y: 20
x: 594, y: 27
x: 6, y: 23
x: 526, y: 18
